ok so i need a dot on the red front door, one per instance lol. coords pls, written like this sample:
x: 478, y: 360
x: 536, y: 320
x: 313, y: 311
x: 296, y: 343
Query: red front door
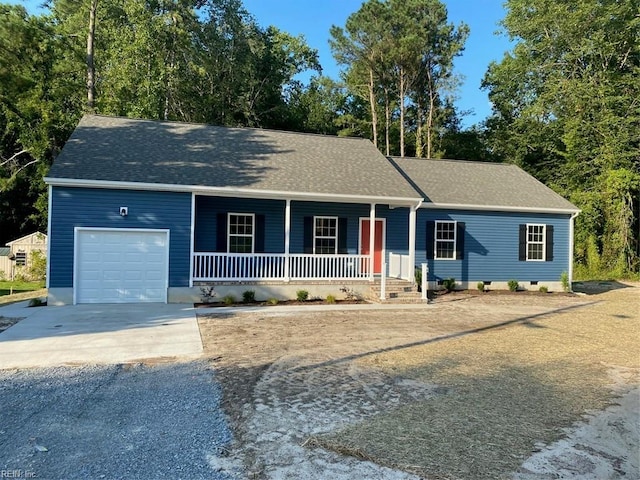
x: 364, y: 243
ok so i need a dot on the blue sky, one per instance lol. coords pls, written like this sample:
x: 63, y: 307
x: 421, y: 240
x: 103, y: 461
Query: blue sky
x: 313, y: 19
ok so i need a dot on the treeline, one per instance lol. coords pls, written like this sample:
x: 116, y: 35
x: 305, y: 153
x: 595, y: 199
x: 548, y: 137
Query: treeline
x: 566, y: 99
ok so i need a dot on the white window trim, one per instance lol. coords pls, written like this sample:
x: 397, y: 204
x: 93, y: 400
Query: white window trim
x: 321, y: 217
x: 253, y: 231
x: 435, y: 240
x: 544, y: 242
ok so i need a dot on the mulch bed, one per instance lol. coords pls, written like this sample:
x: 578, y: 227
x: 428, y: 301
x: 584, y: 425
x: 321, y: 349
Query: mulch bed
x: 280, y: 303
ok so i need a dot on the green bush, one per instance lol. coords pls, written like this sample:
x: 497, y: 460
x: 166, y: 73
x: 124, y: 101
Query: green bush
x: 480, y: 286
x: 564, y: 280
x: 272, y: 301
x: 513, y: 285
x: 248, y: 296
x: 229, y: 299
x: 544, y: 289
x: 37, y: 302
x: 449, y: 284
x: 302, y: 295
x: 418, y: 277
x: 37, y: 266
x: 331, y: 299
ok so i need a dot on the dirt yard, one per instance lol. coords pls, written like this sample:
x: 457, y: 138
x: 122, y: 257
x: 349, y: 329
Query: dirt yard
x: 473, y: 386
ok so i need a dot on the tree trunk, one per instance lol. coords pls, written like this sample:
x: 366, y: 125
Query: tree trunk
x: 387, y: 120
x: 419, y: 128
x: 91, y: 69
x: 401, y: 99
x: 372, y: 102
x: 430, y: 124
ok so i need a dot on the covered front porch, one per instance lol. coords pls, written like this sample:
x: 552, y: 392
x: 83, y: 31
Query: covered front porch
x: 291, y: 240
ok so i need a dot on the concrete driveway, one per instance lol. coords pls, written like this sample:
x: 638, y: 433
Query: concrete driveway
x: 98, y: 334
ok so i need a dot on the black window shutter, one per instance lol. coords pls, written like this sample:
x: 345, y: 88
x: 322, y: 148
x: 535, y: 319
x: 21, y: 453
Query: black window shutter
x: 342, y: 235
x: 459, y: 240
x: 523, y: 243
x: 549, y: 243
x: 260, y: 233
x: 431, y: 229
x: 308, y: 235
x: 221, y: 233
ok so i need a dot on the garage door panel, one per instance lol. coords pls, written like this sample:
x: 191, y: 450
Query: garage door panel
x: 121, y: 266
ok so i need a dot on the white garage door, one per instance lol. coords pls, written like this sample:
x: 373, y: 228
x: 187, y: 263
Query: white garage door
x: 121, y: 266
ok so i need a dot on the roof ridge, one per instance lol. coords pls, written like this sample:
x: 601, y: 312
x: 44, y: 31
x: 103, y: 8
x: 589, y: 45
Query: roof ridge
x: 196, y: 124
x: 453, y: 160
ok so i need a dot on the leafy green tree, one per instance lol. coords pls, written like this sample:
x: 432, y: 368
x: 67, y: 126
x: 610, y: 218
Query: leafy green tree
x: 566, y: 109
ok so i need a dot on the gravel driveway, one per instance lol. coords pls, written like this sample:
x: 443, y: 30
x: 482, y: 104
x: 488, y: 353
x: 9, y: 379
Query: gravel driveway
x: 107, y: 422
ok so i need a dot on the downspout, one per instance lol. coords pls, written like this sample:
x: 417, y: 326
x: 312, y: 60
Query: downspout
x: 571, y: 246
x: 49, y: 207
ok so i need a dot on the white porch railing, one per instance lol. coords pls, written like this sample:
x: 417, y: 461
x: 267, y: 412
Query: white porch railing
x: 273, y: 266
x: 400, y: 266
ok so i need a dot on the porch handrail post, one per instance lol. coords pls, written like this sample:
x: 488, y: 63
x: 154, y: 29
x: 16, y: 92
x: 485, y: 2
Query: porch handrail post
x: 287, y: 236
x: 412, y: 241
x: 383, y: 281
x: 372, y: 238
x: 425, y: 272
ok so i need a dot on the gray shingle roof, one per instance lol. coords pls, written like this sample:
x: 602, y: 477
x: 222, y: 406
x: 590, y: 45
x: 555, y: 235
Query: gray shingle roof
x: 4, y: 251
x: 479, y: 184
x: 113, y: 149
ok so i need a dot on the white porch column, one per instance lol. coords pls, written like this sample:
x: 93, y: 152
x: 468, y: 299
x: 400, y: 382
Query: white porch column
x: 287, y: 236
x: 412, y: 242
x: 372, y: 238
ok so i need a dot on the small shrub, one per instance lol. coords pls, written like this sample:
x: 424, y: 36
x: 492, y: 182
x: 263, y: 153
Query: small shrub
x: 449, y: 284
x: 248, y: 296
x: 229, y: 299
x: 272, y: 301
x: 418, y: 278
x: 480, y: 286
x: 544, y: 289
x: 350, y: 294
x: 513, y: 285
x: 564, y: 280
x: 331, y: 299
x: 302, y: 295
x: 207, y: 294
x: 37, y: 302
x: 37, y: 266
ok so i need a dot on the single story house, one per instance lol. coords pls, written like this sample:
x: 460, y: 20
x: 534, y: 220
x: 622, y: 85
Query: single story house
x: 16, y: 255
x: 151, y: 211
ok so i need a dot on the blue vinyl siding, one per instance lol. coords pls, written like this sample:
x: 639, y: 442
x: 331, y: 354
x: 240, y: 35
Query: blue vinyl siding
x: 397, y: 234
x: 208, y: 208
x: 491, y: 247
x: 351, y: 211
x: 87, y: 207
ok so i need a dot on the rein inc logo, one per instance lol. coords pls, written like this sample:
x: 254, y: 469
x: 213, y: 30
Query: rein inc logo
x: 18, y: 473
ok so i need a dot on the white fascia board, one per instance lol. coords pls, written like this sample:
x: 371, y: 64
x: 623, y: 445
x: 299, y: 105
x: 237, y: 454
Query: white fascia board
x: 232, y: 191
x: 497, y: 208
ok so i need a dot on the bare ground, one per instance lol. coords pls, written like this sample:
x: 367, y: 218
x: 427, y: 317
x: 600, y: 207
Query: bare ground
x: 415, y: 390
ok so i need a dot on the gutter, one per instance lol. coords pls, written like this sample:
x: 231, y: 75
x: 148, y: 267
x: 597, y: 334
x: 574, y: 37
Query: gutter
x: 231, y: 192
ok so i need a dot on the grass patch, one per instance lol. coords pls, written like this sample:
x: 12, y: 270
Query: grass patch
x: 19, y: 287
x: 503, y: 391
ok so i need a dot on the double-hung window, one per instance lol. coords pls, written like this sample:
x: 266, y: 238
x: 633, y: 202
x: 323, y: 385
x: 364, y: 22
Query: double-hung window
x: 325, y: 235
x: 445, y: 240
x: 241, y: 232
x: 536, y: 242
